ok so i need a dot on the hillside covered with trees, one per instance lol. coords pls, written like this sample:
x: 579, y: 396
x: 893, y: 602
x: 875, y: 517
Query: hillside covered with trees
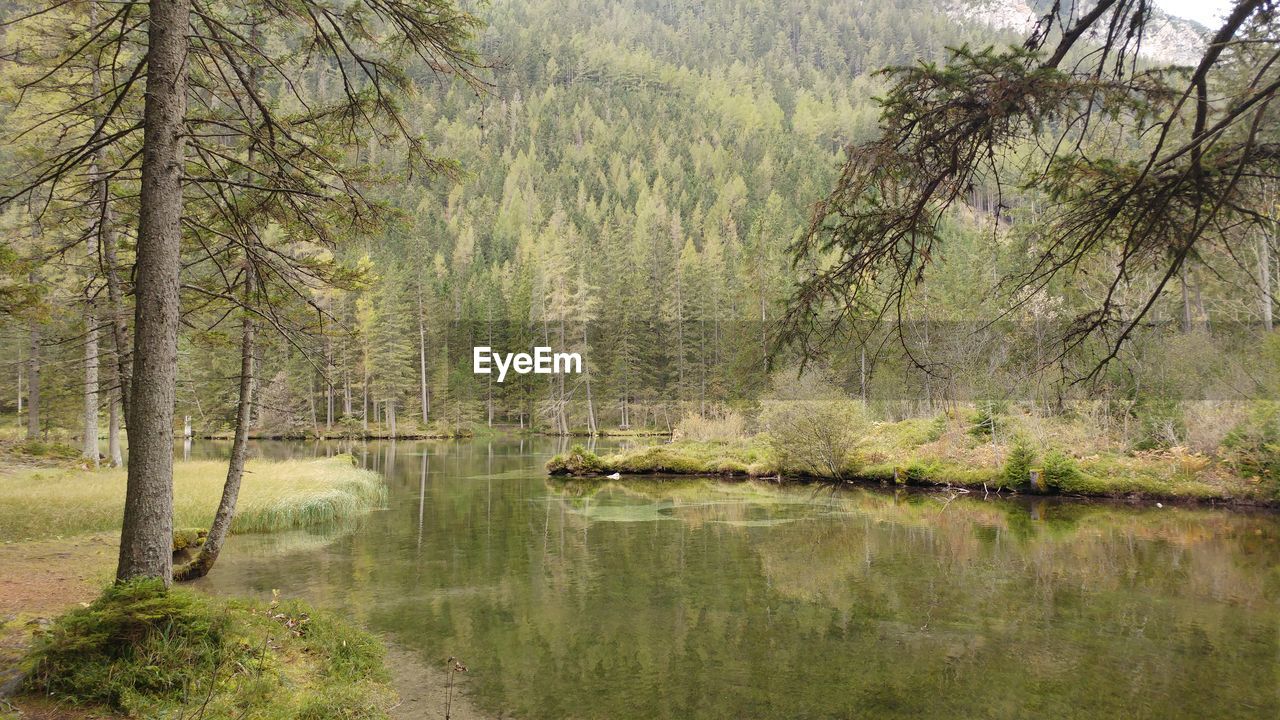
x: 629, y: 180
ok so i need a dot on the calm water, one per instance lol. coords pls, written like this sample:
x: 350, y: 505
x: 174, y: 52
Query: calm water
x: 706, y: 600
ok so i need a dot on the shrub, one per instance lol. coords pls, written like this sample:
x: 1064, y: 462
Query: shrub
x: 986, y: 419
x: 815, y: 437
x: 1060, y: 470
x: 1162, y: 424
x: 1253, y: 446
x: 1018, y: 465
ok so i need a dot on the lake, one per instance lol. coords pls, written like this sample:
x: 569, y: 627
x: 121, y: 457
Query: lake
x: 662, y: 598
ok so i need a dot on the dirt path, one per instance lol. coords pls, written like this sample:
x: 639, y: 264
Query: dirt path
x: 45, y: 577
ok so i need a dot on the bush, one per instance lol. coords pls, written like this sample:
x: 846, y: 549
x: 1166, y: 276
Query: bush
x: 1253, y: 446
x: 1017, y: 467
x: 1060, y: 470
x: 815, y: 437
x: 986, y: 419
x: 1162, y: 424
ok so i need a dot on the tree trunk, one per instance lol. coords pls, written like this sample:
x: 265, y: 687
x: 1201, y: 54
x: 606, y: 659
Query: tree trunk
x: 1264, y: 280
x: 862, y: 373
x: 422, y: 361
x: 328, y: 386
x: 365, y: 413
x: 239, y: 447
x: 146, y: 538
x: 591, y: 407
x: 33, y: 383
x: 311, y: 402
x: 89, y: 446
x: 113, y: 428
x: 1186, y: 299
x: 111, y: 268
x: 115, y: 298
x: 346, y: 386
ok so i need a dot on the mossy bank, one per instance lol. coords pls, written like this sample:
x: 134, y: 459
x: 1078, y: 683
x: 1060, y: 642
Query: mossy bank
x: 947, y: 450
x: 140, y: 650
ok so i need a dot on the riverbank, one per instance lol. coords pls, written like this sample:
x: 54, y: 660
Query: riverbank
x: 941, y: 452
x: 62, y: 644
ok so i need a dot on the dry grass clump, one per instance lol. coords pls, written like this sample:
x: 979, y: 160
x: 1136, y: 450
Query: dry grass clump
x: 274, y: 496
x: 726, y: 427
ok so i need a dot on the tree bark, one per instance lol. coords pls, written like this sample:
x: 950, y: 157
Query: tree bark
x: 1186, y: 299
x: 591, y: 406
x: 89, y: 446
x: 146, y: 538
x: 33, y: 383
x: 311, y: 402
x: 115, y: 299
x: 113, y: 429
x: 239, y: 447
x: 1264, y: 280
x: 111, y: 268
x: 422, y: 361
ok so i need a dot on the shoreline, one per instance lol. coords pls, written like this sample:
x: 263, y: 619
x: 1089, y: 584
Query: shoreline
x: 467, y: 435
x: 876, y: 484
x: 1144, y: 480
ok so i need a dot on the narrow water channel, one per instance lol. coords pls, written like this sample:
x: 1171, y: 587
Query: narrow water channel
x: 698, y: 599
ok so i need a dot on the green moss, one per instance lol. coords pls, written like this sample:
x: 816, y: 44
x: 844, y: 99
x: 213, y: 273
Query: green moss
x: 55, y: 450
x: 187, y: 538
x: 578, y: 461
x: 878, y: 453
x: 146, y: 651
x: 694, y: 458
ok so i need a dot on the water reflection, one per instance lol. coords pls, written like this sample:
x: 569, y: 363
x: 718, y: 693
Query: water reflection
x: 689, y: 599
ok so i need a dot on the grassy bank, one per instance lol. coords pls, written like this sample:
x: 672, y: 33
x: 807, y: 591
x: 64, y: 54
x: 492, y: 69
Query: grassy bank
x: 947, y: 450
x: 44, y: 502
x: 141, y: 651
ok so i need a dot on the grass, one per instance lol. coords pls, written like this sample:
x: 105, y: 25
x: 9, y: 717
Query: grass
x: 685, y: 457
x: 142, y: 651
x: 941, y: 451
x: 40, y: 503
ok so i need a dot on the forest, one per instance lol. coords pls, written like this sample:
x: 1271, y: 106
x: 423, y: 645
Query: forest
x: 901, y: 245
x: 631, y: 188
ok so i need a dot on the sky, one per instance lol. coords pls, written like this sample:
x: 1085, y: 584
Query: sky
x: 1206, y: 12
